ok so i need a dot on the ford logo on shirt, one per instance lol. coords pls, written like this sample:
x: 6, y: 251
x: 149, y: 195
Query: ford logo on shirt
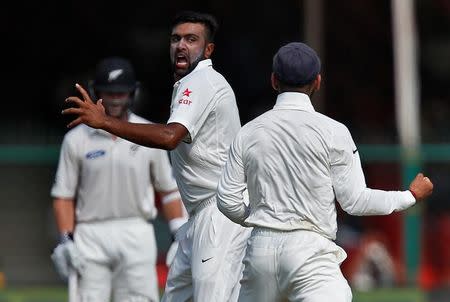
x: 95, y: 154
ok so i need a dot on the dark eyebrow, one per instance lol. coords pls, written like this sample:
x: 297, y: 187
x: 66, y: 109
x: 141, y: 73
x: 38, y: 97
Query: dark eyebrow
x: 192, y: 36
x: 187, y: 35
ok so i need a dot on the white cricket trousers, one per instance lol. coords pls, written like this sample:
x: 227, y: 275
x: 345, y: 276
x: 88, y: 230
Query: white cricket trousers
x: 208, y: 263
x: 296, y: 265
x: 121, y: 261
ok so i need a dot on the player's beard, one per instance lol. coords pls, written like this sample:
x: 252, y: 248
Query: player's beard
x: 117, y: 108
x: 179, y: 73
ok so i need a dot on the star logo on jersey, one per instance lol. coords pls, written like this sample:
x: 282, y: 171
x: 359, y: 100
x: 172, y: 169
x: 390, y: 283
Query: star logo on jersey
x: 185, y: 98
x: 187, y: 92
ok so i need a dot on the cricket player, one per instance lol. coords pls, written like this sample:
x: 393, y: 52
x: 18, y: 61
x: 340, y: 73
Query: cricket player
x: 296, y: 163
x: 104, y: 199
x: 204, y: 120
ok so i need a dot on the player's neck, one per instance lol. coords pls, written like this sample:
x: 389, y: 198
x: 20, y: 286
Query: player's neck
x: 123, y: 117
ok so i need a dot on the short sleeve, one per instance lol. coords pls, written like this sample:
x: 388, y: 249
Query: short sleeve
x: 161, y: 172
x: 192, y: 104
x: 67, y: 174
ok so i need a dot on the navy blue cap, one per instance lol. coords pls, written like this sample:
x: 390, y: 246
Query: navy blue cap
x: 114, y: 74
x: 296, y: 64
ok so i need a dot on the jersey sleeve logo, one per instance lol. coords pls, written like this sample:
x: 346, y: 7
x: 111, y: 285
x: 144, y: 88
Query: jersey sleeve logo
x: 185, y: 98
x: 187, y: 92
x: 94, y: 154
x: 133, y: 149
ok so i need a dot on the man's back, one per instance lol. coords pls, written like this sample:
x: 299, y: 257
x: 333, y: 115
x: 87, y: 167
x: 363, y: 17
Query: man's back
x: 296, y: 163
x: 287, y: 157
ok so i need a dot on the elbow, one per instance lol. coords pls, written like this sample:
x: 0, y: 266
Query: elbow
x: 171, y: 138
x: 169, y: 142
x: 220, y: 204
x: 170, y: 145
x: 351, y: 210
x: 223, y: 206
x: 232, y: 211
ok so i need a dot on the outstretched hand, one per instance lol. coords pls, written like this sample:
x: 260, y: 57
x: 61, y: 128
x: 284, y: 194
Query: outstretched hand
x: 88, y: 112
x: 421, y: 187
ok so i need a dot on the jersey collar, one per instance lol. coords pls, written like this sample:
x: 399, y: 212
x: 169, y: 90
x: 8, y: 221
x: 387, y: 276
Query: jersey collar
x: 293, y: 101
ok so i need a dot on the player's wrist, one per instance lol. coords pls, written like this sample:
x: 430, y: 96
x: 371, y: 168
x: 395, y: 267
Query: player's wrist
x: 106, y: 123
x: 65, y: 237
x: 176, y: 223
x: 413, y: 194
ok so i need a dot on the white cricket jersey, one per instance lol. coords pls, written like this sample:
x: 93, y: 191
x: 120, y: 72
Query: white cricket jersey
x: 110, y: 178
x: 296, y: 162
x: 205, y: 104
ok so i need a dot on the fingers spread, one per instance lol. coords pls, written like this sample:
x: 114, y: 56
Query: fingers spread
x: 74, y: 123
x: 84, y: 93
x: 72, y: 111
x: 75, y: 100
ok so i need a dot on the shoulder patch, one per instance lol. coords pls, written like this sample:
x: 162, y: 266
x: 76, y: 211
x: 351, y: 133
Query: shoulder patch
x: 186, y: 97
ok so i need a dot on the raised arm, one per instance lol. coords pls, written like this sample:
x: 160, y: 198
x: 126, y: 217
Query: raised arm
x: 160, y: 136
x: 350, y: 187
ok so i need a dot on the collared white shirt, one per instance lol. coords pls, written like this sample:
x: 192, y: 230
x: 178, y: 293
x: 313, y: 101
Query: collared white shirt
x: 205, y: 104
x: 110, y: 178
x: 296, y: 162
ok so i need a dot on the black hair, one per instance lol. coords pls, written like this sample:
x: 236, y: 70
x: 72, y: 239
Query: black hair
x: 208, y: 20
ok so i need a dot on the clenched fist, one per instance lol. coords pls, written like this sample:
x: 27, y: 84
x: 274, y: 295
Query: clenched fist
x: 421, y: 187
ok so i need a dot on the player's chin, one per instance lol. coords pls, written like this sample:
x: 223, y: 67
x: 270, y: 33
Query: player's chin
x: 181, y: 71
x: 115, y: 111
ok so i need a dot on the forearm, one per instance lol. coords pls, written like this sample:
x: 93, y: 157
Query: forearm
x: 64, y: 211
x: 233, y: 207
x: 159, y: 136
x: 378, y: 202
x: 232, y: 187
x: 173, y: 210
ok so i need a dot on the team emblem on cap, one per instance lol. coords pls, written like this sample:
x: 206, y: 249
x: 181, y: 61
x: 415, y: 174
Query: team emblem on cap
x: 114, y: 74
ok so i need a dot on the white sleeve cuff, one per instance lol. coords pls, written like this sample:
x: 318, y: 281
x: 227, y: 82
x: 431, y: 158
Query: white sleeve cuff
x: 176, y: 223
x: 171, y: 197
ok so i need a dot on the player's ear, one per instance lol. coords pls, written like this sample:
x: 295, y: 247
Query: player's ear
x: 209, y: 50
x: 274, y: 81
x: 317, y: 82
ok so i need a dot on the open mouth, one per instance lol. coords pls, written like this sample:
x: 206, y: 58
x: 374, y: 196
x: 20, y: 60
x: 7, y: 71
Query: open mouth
x: 116, y: 102
x: 181, y: 61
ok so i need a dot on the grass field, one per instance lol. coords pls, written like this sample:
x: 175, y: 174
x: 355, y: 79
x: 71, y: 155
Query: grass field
x: 59, y: 294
